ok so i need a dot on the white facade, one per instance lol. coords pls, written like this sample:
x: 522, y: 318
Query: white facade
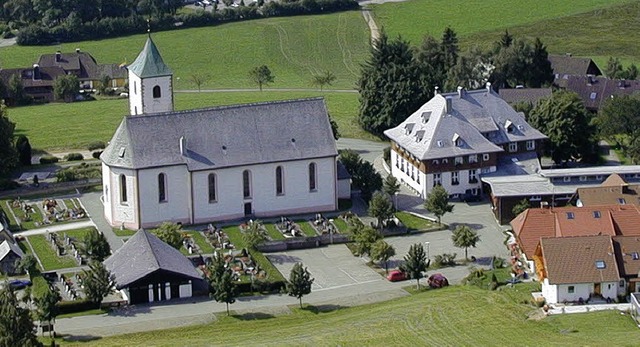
x: 344, y: 188
x: 186, y: 195
x: 150, y: 95
x: 558, y: 293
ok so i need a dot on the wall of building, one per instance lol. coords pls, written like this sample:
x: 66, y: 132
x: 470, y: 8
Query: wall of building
x: 135, y: 94
x: 580, y: 290
x: 177, y: 207
x: 121, y: 212
x: 550, y: 292
x: 107, y: 192
x: 344, y: 189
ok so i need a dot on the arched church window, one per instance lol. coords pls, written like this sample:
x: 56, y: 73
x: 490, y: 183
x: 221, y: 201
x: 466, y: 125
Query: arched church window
x: 123, y: 188
x: 156, y: 92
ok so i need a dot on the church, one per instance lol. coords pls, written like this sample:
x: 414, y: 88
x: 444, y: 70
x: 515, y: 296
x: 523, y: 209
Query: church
x: 220, y: 163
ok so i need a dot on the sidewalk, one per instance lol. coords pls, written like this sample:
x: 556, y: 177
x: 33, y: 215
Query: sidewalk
x: 56, y: 228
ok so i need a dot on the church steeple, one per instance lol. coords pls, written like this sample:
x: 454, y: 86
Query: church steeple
x: 150, y: 82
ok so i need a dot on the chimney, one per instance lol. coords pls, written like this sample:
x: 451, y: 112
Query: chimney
x: 77, y: 50
x: 448, y: 107
x: 489, y: 90
x: 460, y: 92
x: 183, y: 146
x: 58, y: 56
x: 36, y: 72
x: 437, y: 91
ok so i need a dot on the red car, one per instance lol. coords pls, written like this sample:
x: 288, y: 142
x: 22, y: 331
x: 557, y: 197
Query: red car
x: 397, y: 275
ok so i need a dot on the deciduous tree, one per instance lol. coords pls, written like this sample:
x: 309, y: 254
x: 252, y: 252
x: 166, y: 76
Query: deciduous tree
x: 199, y: 79
x: 437, y: 202
x: 24, y: 150
x: 261, y: 75
x: 364, y: 237
x: 322, y: 79
x: 380, y: 207
x: 391, y: 186
x: 300, y: 282
x: 382, y: 251
x: 16, y: 325
x: 521, y: 206
x: 96, y: 245
x: 66, y: 87
x: 464, y: 237
x: 170, y: 233
x: 254, y: 234
x: 222, y: 288
x: 46, y: 307
x: 8, y: 153
x: 415, y: 262
x: 98, y: 282
x: 28, y: 264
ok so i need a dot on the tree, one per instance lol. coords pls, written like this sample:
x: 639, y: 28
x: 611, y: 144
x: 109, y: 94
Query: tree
x: 325, y: 78
x: 47, y: 308
x: 254, y: 235
x: 564, y: 118
x: 98, y: 282
x: 391, y: 186
x: 620, y: 116
x: 380, y: 207
x: 438, y: 202
x: 415, y: 262
x: 300, y: 282
x: 430, y: 59
x: 388, y: 85
x: 105, y: 84
x: 96, y: 245
x: 631, y: 72
x: 364, y: 237
x: 540, y: 72
x: 520, y: 207
x: 24, y: 150
x: 472, y: 70
x: 8, y: 153
x: 261, y: 75
x: 16, y: 89
x: 363, y: 174
x: 170, y: 233
x: 222, y: 288
x: 16, y: 325
x: 66, y: 87
x: 199, y: 79
x: 614, y: 68
x: 506, y: 39
x: 334, y: 128
x: 28, y: 264
x: 465, y: 237
x: 382, y: 251
x: 449, y: 48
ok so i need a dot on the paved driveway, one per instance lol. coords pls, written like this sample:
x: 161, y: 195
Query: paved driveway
x: 332, y: 266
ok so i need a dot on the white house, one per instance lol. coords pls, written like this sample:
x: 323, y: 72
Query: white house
x: 579, y: 267
x: 456, y: 137
x: 220, y: 163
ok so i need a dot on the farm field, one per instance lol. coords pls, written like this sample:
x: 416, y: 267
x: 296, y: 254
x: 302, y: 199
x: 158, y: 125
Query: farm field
x: 85, y: 122
x: 293, y: 48
x: 454, y: 316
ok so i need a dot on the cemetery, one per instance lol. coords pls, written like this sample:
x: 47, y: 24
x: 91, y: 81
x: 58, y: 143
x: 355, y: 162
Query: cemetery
x: 32, y: 214
x: 59, y: 250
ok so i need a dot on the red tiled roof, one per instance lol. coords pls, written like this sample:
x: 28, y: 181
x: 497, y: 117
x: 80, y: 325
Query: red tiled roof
x: 573, y: 259
x: 628, y: 262
x: 614, y: 180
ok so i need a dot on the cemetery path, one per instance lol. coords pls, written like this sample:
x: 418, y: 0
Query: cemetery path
x: 56, y: 228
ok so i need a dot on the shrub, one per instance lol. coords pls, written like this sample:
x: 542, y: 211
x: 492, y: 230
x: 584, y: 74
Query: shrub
x: 386, y: 155
x: 66, y: 175
x: 96, y: 154
x: 73, y: 157
x: 96, y: 145
x: 7, y: 184
x: 445, y: 259
x: 48, y: 159
x: 75, y: 306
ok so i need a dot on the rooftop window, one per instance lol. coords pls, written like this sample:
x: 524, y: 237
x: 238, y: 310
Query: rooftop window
x: 596, y: 214
x: 570, y: 215
x: 635, y: 256
x: 593, y: 95
x: 621, y: 201
x: 600, y: 264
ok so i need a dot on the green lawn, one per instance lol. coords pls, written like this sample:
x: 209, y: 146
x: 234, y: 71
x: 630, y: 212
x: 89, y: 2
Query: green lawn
x: 413, y: 222
x: 124, y: 233
x: 77, y: 234
x: 453, y: 316
x: 292, y: 47
x: 307, y: 229
x: 199, y: 239
x: 273, y: 232
x: 341, y: 224
x: 85, y: 122
x: 50, y: 260
x: 431, y: 17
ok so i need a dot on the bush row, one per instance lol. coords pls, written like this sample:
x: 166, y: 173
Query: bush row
x: 75, y: 306
x: 115, y: 26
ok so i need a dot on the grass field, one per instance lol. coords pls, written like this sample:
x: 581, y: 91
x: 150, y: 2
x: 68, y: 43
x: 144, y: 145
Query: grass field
x: 306, y: 228
x: 273, y: 232
x: 50, y: 260
x: 413, y: 222
x: 293, y: 48
x: 58, y: 126
x: 454, y: 316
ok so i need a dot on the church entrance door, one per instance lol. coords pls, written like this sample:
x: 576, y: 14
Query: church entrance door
x: 247, y: 209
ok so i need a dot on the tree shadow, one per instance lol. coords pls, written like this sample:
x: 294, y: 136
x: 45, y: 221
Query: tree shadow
x: 130, y: 310
x: 473, y: 226
x: 315, y: 309
x: 393, y: 263
x: 252, y: 316
x: 78, y: 338
x: 281, y: 258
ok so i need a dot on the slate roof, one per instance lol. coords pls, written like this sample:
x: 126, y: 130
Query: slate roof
x: 590, y: 171
x: 82, y: 64
x: 569, y: 65
x: 628, y: 262
x: 429, y: 132
x: 532, y: 95
x: 224, y: 136
x: 143, y: 254
x: 47, y: 76
x: 570, y: 260
x: 535, y: 223
x: 594, y: 91
x: 149, y: 63
x: 342, y: 173
x: 6, y: 247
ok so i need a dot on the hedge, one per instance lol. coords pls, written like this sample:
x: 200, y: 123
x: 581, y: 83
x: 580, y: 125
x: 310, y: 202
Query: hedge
x: 116, y: 26
x: 73, y: 156
x: 48, y: 159
x: 76, y: 306
x: 96, y: 145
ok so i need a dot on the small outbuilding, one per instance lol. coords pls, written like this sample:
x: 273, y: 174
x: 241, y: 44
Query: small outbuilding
x: 149, y: 270
x: 10, y: 253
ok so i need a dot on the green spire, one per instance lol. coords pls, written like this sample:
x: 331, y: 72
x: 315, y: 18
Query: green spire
x: 149, y: 62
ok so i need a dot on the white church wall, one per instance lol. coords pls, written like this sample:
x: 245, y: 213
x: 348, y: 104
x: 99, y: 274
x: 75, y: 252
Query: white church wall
x: 124, y: 212
x: 107, y: 192
x: 176, y: 207
x: 135, y: 94
x: 162, y: 104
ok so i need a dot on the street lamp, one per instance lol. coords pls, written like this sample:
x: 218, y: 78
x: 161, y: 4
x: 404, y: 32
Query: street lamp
x: 395, y: 200
x: 427, y: 243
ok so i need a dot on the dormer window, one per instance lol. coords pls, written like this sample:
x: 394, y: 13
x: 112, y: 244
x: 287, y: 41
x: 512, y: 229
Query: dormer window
x: 621, y: 201
x: 419, y: 135
x: 600, y: 264
x: 508, y: 126
x: 570, y: 215
x: 440, y: 143
x: 457, y: 141
x: 596, y: 214
x: 459, y: 160
x: 425, y: 116
x: 408, y: 128
x: 593, y: 95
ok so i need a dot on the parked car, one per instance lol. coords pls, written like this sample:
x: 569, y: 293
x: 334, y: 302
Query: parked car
x: 396, y: 276
x: 468, y: 197
x: 19, y: 284
x: 438, y: 280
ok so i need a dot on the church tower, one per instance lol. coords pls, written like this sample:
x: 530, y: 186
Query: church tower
x: 150, y: 82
